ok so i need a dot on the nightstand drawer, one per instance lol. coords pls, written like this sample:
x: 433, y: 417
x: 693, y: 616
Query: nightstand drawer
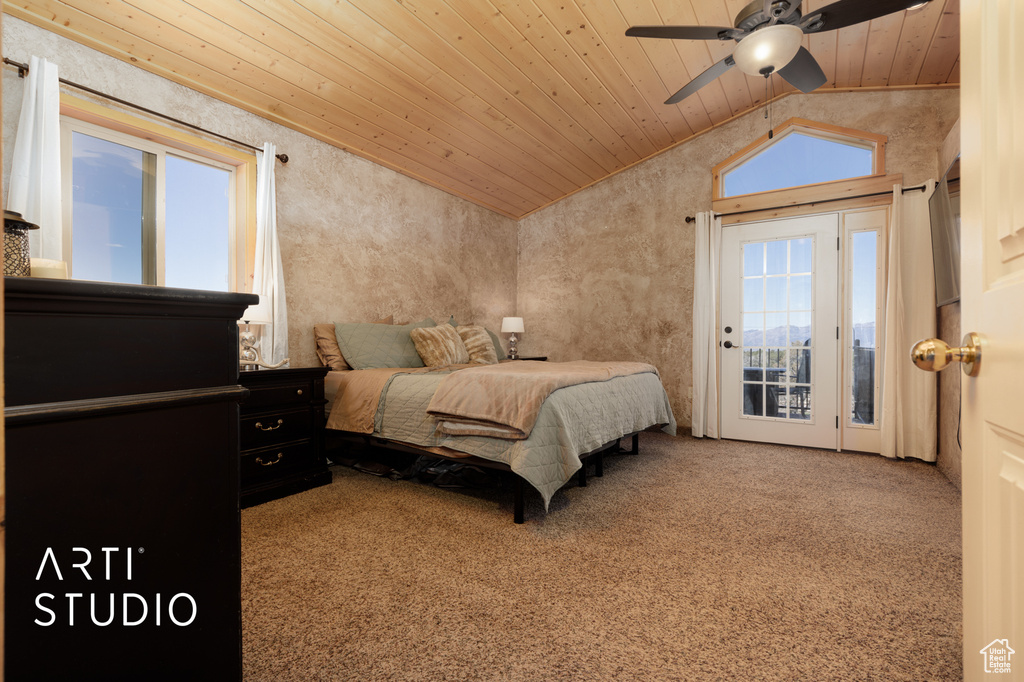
x: 269, y: 463
x: 292, y: 393
x: 275, y: 427
x: 281, y: 432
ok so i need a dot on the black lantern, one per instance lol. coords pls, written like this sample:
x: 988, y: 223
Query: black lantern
x: 16, y: 259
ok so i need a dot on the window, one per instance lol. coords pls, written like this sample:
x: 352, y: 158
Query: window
x: 778, y: 288
x: 800, y: 153
x: 797, y: 159
x: 864, y: 254
x: 152, y: 206
x: 863, y: 274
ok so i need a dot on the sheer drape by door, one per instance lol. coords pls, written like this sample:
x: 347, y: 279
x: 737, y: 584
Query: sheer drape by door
x: 909, y: 409
x: 704, y: 408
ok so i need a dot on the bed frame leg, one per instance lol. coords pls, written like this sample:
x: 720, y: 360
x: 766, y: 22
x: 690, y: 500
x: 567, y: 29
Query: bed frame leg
x: 583, y: 474
x: 517, y: 505
x: 599, y: 464
x: 635, y: 450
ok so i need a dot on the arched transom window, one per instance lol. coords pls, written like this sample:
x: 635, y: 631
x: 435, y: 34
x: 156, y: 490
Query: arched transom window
x: 800, y: 153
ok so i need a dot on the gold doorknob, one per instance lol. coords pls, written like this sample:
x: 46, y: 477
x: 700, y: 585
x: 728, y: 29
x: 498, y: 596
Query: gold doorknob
x: 934, y: 355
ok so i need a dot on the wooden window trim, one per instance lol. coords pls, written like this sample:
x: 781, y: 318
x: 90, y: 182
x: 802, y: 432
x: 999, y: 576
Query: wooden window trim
x: 873, y: 190
x: 243, y: 162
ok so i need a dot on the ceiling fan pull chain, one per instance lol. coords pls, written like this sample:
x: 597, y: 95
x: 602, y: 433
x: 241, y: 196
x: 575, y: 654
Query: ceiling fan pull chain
x: 768, y: 104
x: 766, y: 100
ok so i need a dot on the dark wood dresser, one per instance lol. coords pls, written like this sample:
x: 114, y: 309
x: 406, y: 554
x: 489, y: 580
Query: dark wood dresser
x: 282, y: 433
x: 123, y: 543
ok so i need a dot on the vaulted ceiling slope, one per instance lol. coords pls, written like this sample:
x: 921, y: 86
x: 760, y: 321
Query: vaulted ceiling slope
x: 510, y: 104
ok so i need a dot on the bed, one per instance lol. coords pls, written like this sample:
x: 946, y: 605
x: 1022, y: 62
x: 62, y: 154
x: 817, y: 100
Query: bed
x: 541, y: 421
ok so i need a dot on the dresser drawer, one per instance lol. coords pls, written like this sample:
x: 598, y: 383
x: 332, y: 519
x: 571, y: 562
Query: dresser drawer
x: 275, y: 462
x: 271, y: 428
x: 293, y: 393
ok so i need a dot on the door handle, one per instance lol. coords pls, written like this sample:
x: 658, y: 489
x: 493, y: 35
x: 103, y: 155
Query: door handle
x: 934, y: 355
x: 728, y: 344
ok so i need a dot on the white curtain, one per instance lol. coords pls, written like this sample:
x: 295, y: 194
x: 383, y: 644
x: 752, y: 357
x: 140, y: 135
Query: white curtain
x: 704, y: 410
x: 909, y: 410
x: 35, y: 189
x: 268, y: 275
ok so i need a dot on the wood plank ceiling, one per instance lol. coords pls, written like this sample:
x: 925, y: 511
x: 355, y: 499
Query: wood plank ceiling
x: 510, y: 104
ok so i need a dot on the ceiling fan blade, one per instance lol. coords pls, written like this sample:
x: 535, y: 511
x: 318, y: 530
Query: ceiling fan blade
x: 680, y: 32
x: 849, y: 12
x: 713, y: 72
x: 803, y: 72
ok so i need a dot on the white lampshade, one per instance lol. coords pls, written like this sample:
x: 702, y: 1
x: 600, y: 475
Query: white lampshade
x: 511, y: 325
x: 772, y: 46
x: 259, y: 313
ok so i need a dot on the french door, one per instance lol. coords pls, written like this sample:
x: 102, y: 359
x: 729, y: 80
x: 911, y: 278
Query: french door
x: 802, y: 321
x: 779, y: 331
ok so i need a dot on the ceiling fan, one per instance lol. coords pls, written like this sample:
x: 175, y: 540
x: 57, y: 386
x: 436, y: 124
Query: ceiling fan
x: 768, y: 35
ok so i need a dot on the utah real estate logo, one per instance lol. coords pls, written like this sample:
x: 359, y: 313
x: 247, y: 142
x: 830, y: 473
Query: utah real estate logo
x: 997, y: 656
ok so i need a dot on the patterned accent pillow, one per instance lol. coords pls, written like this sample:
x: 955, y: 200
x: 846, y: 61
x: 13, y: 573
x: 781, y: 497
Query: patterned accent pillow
x: 327, y: 344
x: 478, y: 344
x: 439, y: 346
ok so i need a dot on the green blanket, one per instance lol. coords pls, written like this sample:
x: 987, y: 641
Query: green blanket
x: 573, y: 420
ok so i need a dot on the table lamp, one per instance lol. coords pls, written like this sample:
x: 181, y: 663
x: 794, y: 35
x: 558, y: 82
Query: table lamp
x: 512, y: 326
x: 248, y: 352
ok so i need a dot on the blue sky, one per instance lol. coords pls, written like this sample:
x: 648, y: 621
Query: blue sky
x: 797, y: 159
x: 107, y: 217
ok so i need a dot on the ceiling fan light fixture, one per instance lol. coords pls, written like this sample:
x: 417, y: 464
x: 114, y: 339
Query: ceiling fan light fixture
x: 771, y: 47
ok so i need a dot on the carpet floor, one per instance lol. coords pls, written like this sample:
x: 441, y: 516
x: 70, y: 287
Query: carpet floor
x: 696, y: 560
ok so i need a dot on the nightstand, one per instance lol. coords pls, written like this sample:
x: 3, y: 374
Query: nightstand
x: 282, y: 433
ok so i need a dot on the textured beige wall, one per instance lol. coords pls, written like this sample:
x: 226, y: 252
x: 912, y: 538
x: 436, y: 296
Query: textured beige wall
x: 608, y: 272
x: 358, y: 241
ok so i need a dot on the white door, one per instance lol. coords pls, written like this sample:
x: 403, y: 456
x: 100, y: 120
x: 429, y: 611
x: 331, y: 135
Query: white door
x: 780, y: 331
x: 992, y: 304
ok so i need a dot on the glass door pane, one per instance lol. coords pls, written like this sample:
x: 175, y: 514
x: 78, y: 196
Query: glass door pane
x: 864, y: 317
x: 777, y: 328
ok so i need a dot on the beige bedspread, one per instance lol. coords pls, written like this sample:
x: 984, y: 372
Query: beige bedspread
x: 504, y: 400
x: 355, y: 402
x: 358, y: 394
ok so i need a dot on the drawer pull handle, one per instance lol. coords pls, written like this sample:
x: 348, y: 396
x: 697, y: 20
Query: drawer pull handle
x: 261, y: 427
x: 259, y: 460
x: 298, y: 392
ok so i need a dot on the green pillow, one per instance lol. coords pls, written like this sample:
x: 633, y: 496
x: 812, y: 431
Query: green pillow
x: 366, y: 345
x: 497, y: 344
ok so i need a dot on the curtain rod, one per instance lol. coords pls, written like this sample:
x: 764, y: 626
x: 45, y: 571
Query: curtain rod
x: 690, y: 218
x: 23, y: 71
